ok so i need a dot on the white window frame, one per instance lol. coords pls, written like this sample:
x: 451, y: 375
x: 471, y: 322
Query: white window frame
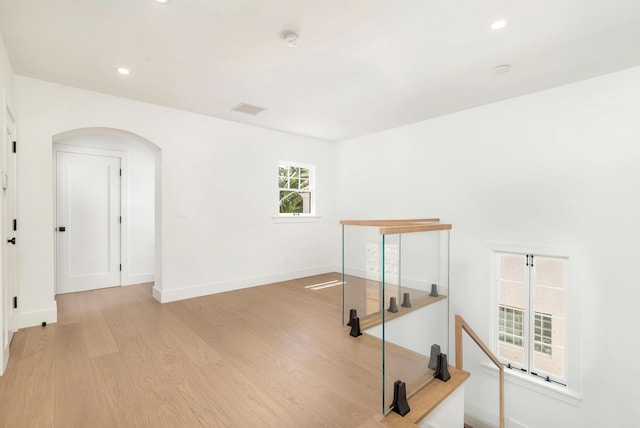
x: 312, y: 189
x: 570, y: 392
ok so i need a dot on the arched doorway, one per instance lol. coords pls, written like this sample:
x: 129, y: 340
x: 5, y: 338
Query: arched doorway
x: 106, y: 213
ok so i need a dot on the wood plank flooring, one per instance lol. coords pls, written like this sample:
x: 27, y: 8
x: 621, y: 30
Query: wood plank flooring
x: 270, y: 356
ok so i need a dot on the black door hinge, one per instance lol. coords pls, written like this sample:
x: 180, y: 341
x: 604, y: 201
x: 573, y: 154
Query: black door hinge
x: 120, y: 172
x: 15, y: 224
x: 120, y: 219
x: 15, y: 302
x: 120, y: 267
x: 14, y: 147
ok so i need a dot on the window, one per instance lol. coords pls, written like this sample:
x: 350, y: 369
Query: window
x: 542, y: 333
x: 511, y: 328
x: 295, y: 186
x: 531, y: 297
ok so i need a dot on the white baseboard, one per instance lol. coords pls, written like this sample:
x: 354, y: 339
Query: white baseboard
x: 5, y: 360
x: 515, y: 424
x: 137, y: 279
x: 166, y: 296
x: 156, y: 293
x: 30, y: 319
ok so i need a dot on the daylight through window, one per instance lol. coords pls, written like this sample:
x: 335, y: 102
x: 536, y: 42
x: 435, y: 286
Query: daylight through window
x: 295, y: 185
x: 542, y: 333
x: 511, y: 326
x: 531, y: 314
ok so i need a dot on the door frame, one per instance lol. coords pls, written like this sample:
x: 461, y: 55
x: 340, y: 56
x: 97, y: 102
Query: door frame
x: 124, y: 204
x: 5, y: 144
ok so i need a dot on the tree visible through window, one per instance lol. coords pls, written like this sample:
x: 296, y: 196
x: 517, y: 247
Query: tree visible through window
x: 294, y: 189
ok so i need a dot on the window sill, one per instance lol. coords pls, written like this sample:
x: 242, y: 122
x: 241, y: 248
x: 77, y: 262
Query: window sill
x: 297, y: 219
x: 525, y: 380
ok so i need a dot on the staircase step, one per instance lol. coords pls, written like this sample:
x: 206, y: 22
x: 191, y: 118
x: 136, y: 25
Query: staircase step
x: 421, y: 403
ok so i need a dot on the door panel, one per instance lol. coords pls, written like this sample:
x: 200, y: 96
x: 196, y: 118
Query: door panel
x: 88, y: 222
x: 10, y: 238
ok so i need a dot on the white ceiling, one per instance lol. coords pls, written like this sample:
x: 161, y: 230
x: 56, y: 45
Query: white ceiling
x: 361, y: 65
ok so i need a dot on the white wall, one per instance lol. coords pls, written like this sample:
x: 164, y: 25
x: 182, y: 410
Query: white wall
x: 139, y: 217
x: 221, y: 175
x: 558, y: 168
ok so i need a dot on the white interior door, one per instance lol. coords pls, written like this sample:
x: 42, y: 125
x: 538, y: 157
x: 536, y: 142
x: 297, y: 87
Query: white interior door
x: 9, y: 227
x: 88, y: 222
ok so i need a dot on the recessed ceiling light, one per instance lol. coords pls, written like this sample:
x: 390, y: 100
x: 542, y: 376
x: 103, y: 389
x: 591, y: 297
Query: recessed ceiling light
x: 499, y: 24
x: 502, y: 69
x: 162, y: 1
x: 124, y: 71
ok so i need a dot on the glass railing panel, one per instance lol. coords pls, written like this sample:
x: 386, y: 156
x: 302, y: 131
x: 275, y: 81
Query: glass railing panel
x: 361, y: 271
x: 422, y: 317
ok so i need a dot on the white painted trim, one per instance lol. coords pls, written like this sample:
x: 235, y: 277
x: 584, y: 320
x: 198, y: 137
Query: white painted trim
x: 67, y: 148
x: 156, y: 293
x: 5, y: 360
x: 4, y: 355
x: 165, y: 296
x: 572, y: 293
x: 34, y: 318
x: 532, y: 383
x: 512, y: 423
x: 139, y: 278
x: 297, y: 219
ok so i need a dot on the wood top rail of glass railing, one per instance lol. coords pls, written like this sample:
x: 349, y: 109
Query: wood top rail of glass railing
x: 461, y: 324
x: 401, y: 222
x: 392, y: 227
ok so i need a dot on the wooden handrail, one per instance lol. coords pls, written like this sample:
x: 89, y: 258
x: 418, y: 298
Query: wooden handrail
x: 461, y: 324
x: 394, y: 227
x: 414, y: 228
x: 402, y: 222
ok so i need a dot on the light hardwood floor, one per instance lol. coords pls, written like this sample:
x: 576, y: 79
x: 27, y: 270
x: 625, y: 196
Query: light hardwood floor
x: 270, y: 356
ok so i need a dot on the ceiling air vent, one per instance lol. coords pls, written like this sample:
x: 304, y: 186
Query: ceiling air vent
x: 248, y: 109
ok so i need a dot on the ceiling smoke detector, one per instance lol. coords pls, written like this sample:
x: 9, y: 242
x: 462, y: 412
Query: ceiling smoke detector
x: 290, y: 39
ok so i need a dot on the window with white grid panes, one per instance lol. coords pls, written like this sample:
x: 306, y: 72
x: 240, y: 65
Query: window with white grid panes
x: 542, y: 333
x: 511, y: 328
x: 295, y: 187
x: 532, y: 313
